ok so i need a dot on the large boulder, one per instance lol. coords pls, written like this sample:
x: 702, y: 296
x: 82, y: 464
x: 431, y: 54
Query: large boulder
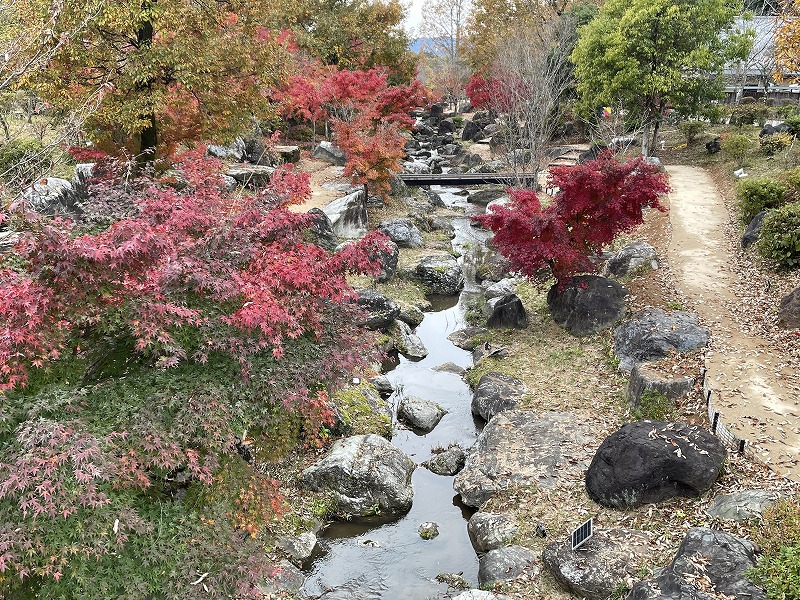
x: 329, y: 153
x: 495, y: 393
x: 650, y: 461
x: 403, y: 233
x: 709, y: 565
x: 471, y: 131
x: 420, y: 414
x: 366, y: 474
x: 234, y: 151
x: 382, y: 311
x: 634, y: 258
x: 606, y: 560
x: 483, y: 197
x: 489, y: 531
x: 440, y: 275
x: 651, y: 335
x: 520, y: 448
x: 298, y: 548
x: 503, y: 564
x: 789, y: 312
x: 586, y: 304
x: 506, y: 312
x: 387, y: 259
x: 466, y: 338
x: 254, y: 176
x: 348, y: 215
x: 283, y: 578
x: 50, y: 196
x: 498, y: 289
x: 321, y: 230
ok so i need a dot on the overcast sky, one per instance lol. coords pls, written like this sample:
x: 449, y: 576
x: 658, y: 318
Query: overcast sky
x: 413, y: 17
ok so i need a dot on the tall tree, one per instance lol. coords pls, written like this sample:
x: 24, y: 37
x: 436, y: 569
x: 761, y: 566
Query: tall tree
x: 787, y: 39
x: 443, y: 62
x: 650, y: 54
x: 159, y: 72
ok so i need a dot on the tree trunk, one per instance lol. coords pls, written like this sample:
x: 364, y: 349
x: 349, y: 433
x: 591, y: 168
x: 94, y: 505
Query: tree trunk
x: 148, y: 136
x: 645, y: 140
x: 4, y: 124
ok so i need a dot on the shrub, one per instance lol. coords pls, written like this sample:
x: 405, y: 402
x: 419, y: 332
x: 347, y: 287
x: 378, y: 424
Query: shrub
x: 770, y: 144
x: 713, y: 112
x: 786, y: 111
x: 736, y: 147
x: 691, y: 129
x: 749, y: 111
x: 793, y: 181
x: 458, y: 122
x: 793, y: 122
x: 756, y: 194
x: 778, y: 535
x: 22, y: 161
x: 780, y: 236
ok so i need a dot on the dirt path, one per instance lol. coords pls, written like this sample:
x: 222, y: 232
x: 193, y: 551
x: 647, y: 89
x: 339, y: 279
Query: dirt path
x: 754, y: 388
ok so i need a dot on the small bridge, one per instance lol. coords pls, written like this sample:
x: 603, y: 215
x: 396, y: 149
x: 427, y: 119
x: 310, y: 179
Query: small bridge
x: 460, y: 179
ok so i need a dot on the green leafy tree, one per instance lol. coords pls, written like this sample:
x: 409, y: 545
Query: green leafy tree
x: 654, y: 54
x: 156, y: 73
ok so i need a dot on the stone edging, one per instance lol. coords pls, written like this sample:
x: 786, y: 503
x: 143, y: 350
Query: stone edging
x: 718, y: 427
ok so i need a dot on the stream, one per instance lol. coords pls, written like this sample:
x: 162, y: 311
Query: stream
x: 390, y: 560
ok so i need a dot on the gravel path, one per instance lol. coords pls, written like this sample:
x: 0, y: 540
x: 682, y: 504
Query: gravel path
x: 756, y: 388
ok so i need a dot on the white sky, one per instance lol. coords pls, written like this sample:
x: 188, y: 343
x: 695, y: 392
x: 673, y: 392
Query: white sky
x: 413, y: 17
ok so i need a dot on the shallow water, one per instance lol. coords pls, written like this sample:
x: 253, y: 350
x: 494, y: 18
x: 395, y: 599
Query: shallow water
x: 390, y: 560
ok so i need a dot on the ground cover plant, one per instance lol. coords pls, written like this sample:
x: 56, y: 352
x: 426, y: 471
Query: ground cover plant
x: 145, y: 367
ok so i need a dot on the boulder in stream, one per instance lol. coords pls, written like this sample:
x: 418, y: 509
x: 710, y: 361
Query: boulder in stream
x: 495, y: 393
x: 488, y: 531
x: 448, y: 462
x: 366, y: 474
x: 419, y: 413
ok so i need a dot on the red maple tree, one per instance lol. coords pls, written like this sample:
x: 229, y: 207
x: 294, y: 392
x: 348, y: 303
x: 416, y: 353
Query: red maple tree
x: 595, y: 202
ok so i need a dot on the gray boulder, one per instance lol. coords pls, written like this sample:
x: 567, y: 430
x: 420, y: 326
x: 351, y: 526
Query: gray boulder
x: 388, y: 262
x: 440, y: 275
x: 741, y: 506
x: 447, y: 463
x: 411, y: 315
x: 285, y: 577
x: 405, y: 342
x: 789, y: 311
x: 634, y: 258
x: 491, y: 267
x: 253, y: 176
x: 709, y: 565
x: 606, y: 560
x: 498, y: 289
x: 298, y: 548
x: 329, y: 153
x: 507, y: 312
x: 419, y: 413
x: 355, y: 403
x: 753, y: 231
x: 650, y: 461
x: 234, y: 151
x: 471, y: 131
x: 50, y: 196
x: 382, y: 311
x: 286, y: 154
x: 403, y: 233
x: 382, y: 385
x: 503, y: 564
x: 644, y: 378
x: 450, y: 367
x: 321, y: 231
x: 519, y: 448
x: 493, y: 166
x: 366, y: 474
x: 495, y: 393
x: 465, y: 338
x: 483, y: 197
x: 348, y: 215
x: 651, y: 335
x: 80, y: 179
x: 586, y: 304
x: 489, y: 531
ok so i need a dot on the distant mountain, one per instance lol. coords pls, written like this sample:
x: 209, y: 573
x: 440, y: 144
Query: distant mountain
x: 422, y: 43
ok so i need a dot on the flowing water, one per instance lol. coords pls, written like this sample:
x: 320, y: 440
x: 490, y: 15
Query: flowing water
x: 390, y: 560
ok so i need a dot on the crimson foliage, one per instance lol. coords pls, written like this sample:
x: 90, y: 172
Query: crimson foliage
x: 135, y: 361
x: 595, y: 202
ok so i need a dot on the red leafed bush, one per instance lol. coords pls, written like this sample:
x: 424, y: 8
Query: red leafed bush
x: 595, y: 202
x: 136, y: 362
